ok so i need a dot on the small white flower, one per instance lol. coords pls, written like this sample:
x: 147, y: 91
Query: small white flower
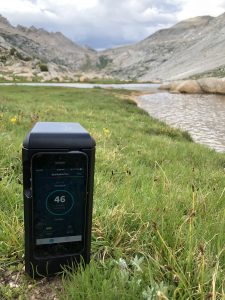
x: 13, y: 285
x: 122, y: 264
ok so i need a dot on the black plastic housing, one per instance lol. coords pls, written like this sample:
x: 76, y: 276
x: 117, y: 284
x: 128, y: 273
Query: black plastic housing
x: 55, y: 137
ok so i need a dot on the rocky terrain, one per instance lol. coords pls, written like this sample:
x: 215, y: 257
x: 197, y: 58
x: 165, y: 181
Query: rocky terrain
x: 34, y: 53
x: 192, y: 48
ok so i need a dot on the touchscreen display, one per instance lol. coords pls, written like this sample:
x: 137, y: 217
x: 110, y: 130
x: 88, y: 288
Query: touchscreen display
x: 59, y: 193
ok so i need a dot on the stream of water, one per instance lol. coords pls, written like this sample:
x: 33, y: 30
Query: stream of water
x: 203, y: 116
x: 148, y: 87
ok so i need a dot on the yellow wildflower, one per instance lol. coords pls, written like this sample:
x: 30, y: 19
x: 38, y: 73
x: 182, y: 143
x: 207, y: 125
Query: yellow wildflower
x: 13, y: 120
x: 106, y: 132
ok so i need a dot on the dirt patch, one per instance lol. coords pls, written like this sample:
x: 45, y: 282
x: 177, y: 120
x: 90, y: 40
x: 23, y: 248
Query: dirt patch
x: 17, y: 285
x: 46, y: 289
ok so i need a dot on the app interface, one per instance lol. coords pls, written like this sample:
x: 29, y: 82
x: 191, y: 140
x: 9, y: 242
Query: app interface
x: 59, y: 204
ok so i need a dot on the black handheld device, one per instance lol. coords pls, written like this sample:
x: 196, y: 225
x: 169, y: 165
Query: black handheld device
x: 58, y: 172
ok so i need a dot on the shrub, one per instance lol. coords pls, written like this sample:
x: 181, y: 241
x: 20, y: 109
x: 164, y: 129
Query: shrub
x: 12, y: 51
x: 43, y: 67
x: 103, y: 62
x: 3, y: 59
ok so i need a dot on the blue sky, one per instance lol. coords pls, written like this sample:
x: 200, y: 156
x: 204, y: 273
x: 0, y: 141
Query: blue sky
x: 104, y: 24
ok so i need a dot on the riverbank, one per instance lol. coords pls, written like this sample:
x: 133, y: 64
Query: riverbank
x: 158, y: 215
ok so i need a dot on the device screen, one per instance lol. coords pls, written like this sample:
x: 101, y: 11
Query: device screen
x: 59, y: 201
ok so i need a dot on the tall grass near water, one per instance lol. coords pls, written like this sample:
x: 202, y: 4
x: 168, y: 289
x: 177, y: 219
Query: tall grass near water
x: 158, y: 219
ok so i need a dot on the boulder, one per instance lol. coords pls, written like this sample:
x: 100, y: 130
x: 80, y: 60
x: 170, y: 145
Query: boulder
x: 209, y: 85
x: 189, y: 87
x: 212, y: 85
x: 83, y: 78
x: 185, y: 86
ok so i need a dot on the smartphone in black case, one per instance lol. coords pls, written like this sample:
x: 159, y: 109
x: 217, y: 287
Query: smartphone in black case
x: 58, y: 196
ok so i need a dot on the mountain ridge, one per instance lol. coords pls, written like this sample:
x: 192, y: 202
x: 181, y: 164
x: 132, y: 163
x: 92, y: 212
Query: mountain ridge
x: 168, y: 53
x: 190, y: 47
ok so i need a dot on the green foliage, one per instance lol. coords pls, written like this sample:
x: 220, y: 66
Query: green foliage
x: 3, y: 58
x: 12, y: 51
x: 87, y: 65
x: 115, y: 279
x: 103, y: 62
x: 158, y: 219
x: 43, y: 67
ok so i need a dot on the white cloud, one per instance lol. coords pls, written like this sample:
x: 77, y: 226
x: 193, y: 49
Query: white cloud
x: 193, y: 8
x: 106, y: 23
x: 13, y: 6
x: 65, y: 5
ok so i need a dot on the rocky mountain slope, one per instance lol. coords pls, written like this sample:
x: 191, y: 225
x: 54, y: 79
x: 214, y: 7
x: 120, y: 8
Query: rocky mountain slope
x: 24, y: 50
x: 193, y: 46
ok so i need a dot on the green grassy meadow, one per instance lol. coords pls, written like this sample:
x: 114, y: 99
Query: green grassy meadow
x: 158, y: 219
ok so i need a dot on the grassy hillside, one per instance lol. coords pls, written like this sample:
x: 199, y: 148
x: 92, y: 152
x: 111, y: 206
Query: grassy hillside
x: 158, y: 220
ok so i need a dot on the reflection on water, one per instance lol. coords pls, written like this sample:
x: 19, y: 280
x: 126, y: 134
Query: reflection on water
x: 203, y: 116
